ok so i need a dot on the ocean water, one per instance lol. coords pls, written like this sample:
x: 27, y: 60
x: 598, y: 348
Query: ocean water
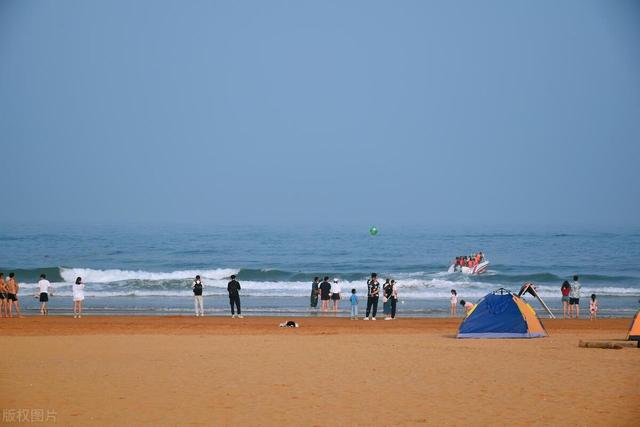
x: 148, y: 269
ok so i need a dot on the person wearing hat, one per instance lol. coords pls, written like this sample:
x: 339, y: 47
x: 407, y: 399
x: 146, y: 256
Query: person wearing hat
x: 335, y: 294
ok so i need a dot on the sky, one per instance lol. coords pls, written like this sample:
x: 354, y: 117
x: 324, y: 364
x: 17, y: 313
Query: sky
x: 479, y: 113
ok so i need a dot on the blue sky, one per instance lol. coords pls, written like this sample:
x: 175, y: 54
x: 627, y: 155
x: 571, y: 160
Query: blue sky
x: 322, y: 112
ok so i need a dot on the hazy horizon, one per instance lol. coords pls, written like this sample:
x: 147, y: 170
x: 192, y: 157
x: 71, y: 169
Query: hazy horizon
x: 429, y: 114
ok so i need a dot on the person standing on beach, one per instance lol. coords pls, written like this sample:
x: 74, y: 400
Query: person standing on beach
x: 325, y: 293
x: 453, y: 311
x: 386, y: 299
x: 593, y: 307
x: 574, y: 298
x: 198, y: 299
x: 373, y: 295
x: 3, y: 297
x: 315, y: 291
x: 335, y: 294
x: 394, y: 299
x: 354, y: 305
x: 43, y: 287
x: 233, y: 287
x: 565, y: 289
x: 12, y: 295
x: 78, y: 298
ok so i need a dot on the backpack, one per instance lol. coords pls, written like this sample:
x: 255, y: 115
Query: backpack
x: 197, y: 288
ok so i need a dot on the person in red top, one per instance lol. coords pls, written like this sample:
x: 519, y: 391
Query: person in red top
x: 565, y: 289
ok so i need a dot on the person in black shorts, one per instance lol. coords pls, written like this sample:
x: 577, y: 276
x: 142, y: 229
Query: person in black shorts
x: 325, y: 293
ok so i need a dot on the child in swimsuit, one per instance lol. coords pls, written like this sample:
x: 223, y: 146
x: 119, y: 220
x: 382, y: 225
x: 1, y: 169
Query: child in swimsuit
x: 454, y: 303
x: 593, y: 307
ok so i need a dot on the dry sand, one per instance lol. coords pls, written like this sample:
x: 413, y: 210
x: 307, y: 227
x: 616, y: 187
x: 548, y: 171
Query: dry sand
x: 220, y: 371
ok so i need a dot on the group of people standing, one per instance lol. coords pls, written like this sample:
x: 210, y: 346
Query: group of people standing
x: 9, y: 296
x: 326, y: 291
x: 233, y: 288
x: 571, y: 300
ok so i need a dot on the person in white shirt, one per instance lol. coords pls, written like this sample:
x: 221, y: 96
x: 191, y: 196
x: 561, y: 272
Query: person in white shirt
x: 78, y: 297
x: 43, y: 286
x: 335, y: 294
x: 574, y: 298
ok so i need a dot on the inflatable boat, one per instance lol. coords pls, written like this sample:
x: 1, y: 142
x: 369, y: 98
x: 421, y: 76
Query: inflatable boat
x: 478, y: 269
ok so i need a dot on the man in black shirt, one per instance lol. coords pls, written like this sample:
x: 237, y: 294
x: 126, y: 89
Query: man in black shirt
x: 373, y: 295
x: 325, y: 293
x: 234, y: 295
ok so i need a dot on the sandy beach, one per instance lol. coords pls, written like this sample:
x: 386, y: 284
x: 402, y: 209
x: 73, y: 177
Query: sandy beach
x: 221, y: 371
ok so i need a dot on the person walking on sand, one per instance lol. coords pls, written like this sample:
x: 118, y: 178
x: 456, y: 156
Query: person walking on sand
x: 4, y: 312
x: 78, y: 298
x: 574, y: 298
x: 593, y: 307
x: 394, y: 299
x: 335, y: 294
x: 315, y: 291
x: 453, y: 310
x: 386, y: 299
x: 44, y: 287
x: 373, y: 295
x: 198, y: 299
x: 325, y: 293
x: 565, y: 289
x: 354, y: 305
x: 233, y: 287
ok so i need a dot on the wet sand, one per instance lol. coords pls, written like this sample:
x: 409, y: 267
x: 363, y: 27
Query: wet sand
x: 222, y: 371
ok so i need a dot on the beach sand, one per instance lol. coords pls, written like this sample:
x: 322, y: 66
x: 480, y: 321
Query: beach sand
x: 222, y: 371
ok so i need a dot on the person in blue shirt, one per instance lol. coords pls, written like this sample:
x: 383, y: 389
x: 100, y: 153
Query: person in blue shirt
x: 354, y: 305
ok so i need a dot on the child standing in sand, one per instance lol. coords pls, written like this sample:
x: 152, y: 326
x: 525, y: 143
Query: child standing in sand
x: 78, y: 297
x: 593, y: 307
x: 453, y: 311
x: 354, y: 305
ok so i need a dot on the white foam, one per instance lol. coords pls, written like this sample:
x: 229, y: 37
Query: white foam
x: 108, y: 276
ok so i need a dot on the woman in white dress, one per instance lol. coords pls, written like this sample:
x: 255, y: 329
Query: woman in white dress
x: 78, y: 297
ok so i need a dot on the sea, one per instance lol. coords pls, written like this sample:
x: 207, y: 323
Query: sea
x: 148, y: 269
